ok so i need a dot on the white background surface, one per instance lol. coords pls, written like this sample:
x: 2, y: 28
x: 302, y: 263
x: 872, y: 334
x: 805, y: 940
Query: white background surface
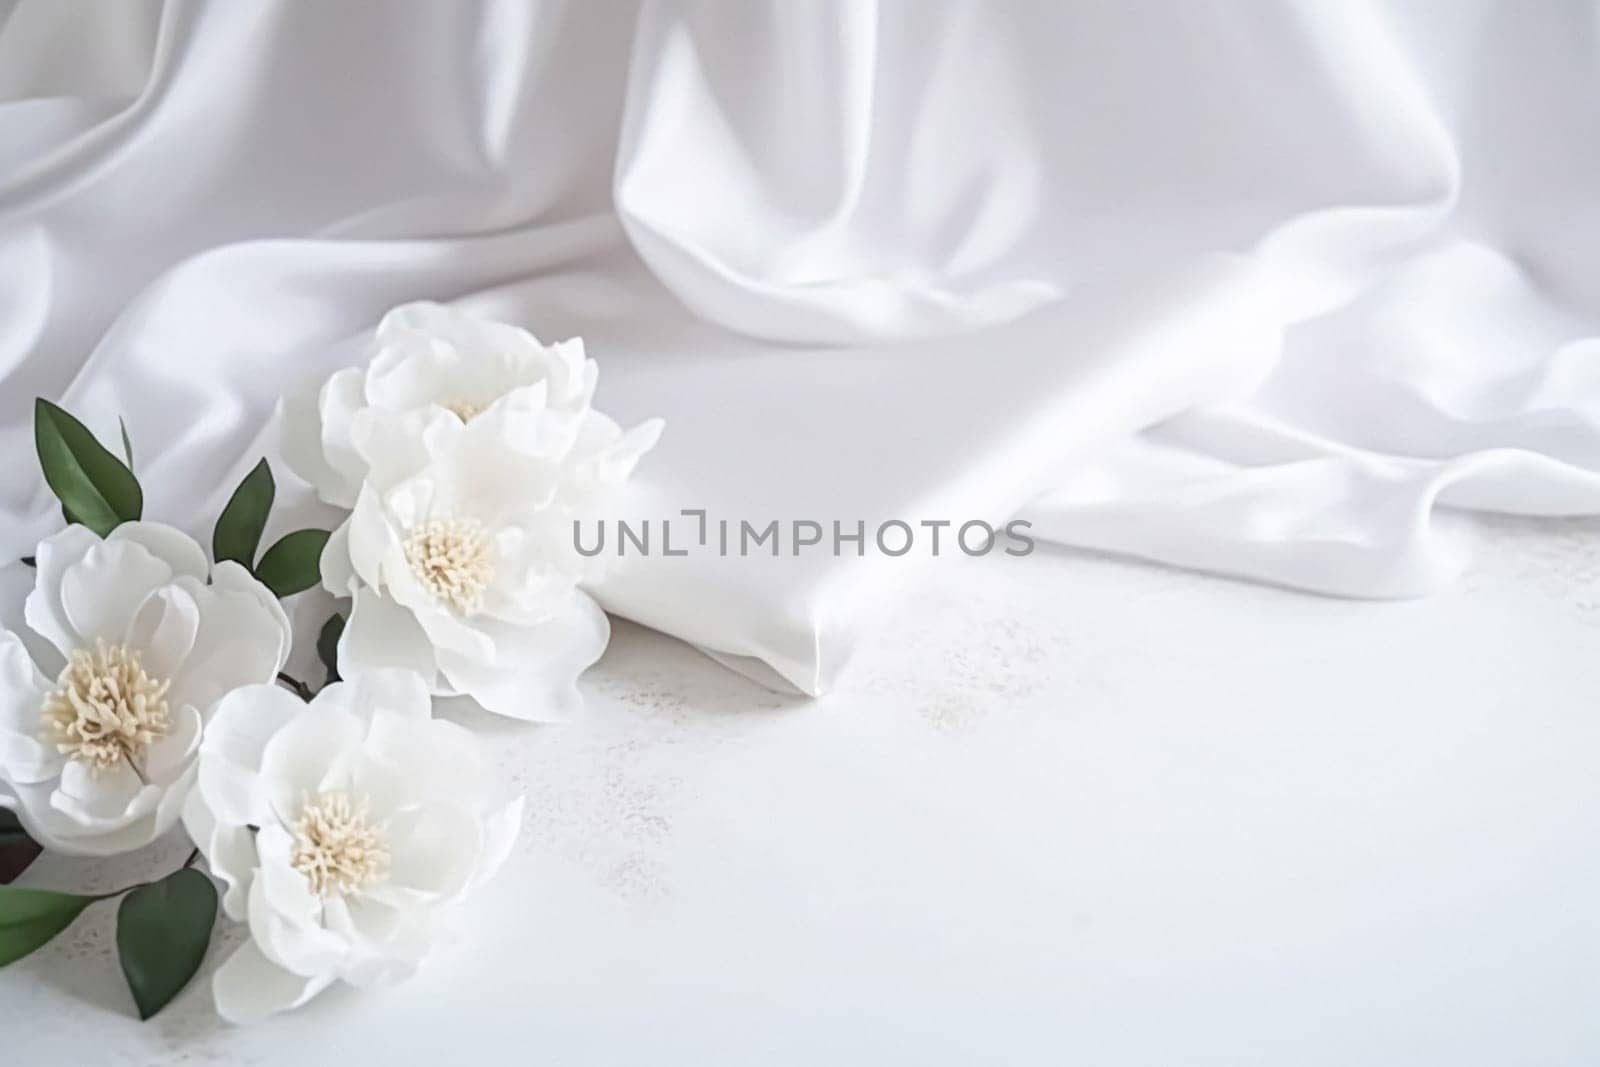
x: 1062, y: 810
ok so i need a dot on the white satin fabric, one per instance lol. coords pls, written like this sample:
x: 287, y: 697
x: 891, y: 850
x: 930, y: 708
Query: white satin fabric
x: 1255, y: 288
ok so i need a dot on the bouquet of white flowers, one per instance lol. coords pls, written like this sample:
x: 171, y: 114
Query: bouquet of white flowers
x: 149, y: 689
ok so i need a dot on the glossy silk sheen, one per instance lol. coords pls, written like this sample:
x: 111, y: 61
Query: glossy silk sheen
x: 1266, y: 289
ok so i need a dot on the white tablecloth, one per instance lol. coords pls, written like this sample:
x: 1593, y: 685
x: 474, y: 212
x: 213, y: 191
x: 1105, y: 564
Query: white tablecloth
x: 1189, y: 821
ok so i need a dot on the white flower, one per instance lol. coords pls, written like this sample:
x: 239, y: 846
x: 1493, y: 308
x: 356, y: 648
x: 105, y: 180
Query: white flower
x: 460, y: 562
x: 426, y: 357
x: 467, y: 450
x: 98, y: 736
x: 343, y: 830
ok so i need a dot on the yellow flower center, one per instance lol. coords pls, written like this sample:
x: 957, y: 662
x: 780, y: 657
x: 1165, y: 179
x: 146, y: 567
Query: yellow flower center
x: 465, y: 410
x: 451, y: 558
x: 105, y: 708
x: 336, y: 846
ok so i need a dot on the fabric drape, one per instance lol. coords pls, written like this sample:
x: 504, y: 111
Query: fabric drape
x: 1273, y: 290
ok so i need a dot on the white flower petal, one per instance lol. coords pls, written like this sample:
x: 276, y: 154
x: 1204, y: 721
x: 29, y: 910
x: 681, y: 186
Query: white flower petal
x: 102, y: 591
x: 24, y: 799
x: 25, y: 760
x: 229, y: 850
x: 600, y: 431
x: 172, y: 546
x: 369, y: 537
x: 424, y: 316
x: 504, y: 462
x: 531, y: 399
x: 248, y: 987
x: 387, y: 940
x: 396, y: 444
x: 500, y: 831
x: 413, y: 370
x: 535, y: 672
x: 42, y: 609
x: 338, y: 574
x: 406, y: 506
x: 169, y: 802
x: 338, y: 402
x: 286, y: 893
x: 163, y: 631
x: 401, y: 694
x: 22, y: 687
x: 300, y: 442
x: 434, y: 849
x: 400, y: 584
x: 286, y: 917
x: 435, y: 354
x: 233, y: 747
x: 605, y: 456
x: 169, y: 757
x: 286, y: 897
x: 242, y: 639
x: 457, y: 638
x: 97, y: 816
x: 104, y: 800
x: 585, y: 371
x: 522, y: 422
x: 233, y: 578
x: 381, y: 634
x: 427, y: 757
x: 620, y: 458
x: 298, y: 758
x: 383, y: 785
x: 530, y: 584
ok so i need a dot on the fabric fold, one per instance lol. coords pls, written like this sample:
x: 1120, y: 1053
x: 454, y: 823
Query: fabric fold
x: 1275, y: 291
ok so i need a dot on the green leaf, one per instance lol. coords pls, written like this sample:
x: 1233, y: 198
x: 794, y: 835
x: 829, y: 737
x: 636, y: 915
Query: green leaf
x: 328, y: 646
x: 162, y: 932
x: 31, y: 917
x: 294, y: 563
x: 127, y: 444
x: 238, y: 531
x: 94, y: 486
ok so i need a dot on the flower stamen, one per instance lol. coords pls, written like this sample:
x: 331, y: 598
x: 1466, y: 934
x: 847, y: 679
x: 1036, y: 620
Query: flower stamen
x: 336, y: 846
x: 465, y: 410
x: 105, y: 708
x: 451, y: 558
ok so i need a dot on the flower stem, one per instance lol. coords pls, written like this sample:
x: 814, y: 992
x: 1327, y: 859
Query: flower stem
x: 301, y: 689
